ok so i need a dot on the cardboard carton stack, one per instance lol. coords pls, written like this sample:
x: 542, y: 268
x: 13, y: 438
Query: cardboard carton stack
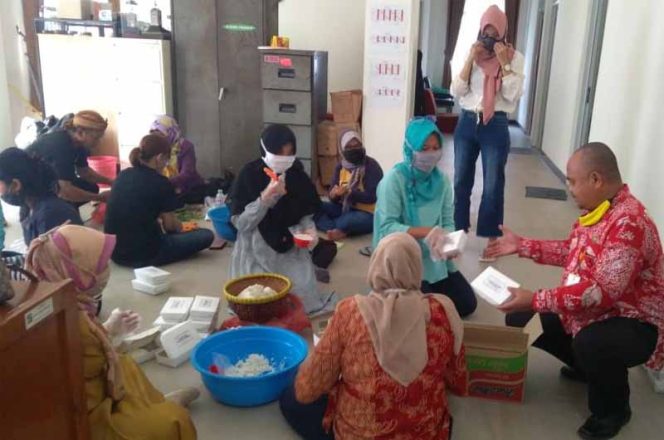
x: 347, y: 111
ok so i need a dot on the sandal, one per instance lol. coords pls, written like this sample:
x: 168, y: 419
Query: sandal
x: 366, y: 251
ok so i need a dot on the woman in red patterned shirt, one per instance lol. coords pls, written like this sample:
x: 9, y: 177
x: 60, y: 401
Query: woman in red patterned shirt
x: 386, y: 360
x: 608, y: 315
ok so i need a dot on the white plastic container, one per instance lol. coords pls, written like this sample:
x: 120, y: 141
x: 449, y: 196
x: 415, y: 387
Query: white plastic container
x: 455, y: 243
x: 179, y: 340
x: 152, y: 275
x: 176, y: 308
x: 150, y: 289
x: 492, y: 286
x: 204, y: 308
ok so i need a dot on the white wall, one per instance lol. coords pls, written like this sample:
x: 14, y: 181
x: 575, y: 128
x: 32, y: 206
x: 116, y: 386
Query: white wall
x: 14, y: 76
x: 5, y: 118
x: 383, y: 128
x: 563, y: 102
x: 335, y: 26
x: 627, y: 113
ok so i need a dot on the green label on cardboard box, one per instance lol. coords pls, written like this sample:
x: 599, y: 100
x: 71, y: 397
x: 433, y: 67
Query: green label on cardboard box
x: 498, y: 365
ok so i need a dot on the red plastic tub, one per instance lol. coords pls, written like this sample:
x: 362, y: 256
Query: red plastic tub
x: 107, y: 166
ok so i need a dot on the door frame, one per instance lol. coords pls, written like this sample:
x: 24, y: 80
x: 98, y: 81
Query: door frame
x: 552, y: 9
x: 534, y: 71
x: 590, y: 70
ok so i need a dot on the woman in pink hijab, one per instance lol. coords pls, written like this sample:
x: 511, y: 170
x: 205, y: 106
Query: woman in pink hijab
x: 488, y: 89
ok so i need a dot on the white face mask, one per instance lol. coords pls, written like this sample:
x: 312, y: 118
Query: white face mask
x: 426, y: 161
x: 278, y: 164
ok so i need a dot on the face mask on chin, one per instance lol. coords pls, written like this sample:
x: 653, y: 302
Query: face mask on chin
x: 278, y: 164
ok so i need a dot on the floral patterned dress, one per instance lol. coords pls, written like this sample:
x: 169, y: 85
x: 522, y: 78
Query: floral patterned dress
x: 364, y: 401
x: 614, y: 268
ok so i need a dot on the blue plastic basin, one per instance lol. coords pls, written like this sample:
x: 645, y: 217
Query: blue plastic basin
x: 281, y: 347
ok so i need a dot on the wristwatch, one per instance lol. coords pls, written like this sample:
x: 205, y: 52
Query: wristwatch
x: 507, y: 68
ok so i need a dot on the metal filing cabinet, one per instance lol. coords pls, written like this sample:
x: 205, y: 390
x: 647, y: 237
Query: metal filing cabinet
x: 295, y: 94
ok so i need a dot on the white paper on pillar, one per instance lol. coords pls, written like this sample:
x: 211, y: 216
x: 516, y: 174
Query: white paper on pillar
x: 387, y: 47
x: 387, y: 82
x: 388, y: 28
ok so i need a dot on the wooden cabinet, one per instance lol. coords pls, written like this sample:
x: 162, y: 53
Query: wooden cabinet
x: 127, y: 80
x: 42, y: 393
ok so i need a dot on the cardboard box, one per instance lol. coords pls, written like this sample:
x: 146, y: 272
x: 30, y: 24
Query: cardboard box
x: 329, y: 135
x: 326, y: 139
x: 497, y: 361
x: 326, y: 167
x: 347, y: 105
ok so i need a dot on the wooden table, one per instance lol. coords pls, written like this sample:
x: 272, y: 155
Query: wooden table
x: 42, y: 393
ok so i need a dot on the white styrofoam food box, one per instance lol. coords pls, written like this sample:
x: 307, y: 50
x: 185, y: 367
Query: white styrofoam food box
x: 492, y: 286
x: 150, y: 289
x: 176, y: 308
x: 179, y: 339
x: 142, y: 355
x: 164, y: 324
x: 152, y: 275
x: 455, y: 243
x: 204, y: 308
x: 163, y: 359
x: 202, y: 326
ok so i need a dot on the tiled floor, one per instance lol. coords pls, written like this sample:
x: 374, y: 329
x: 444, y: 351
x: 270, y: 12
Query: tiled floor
x: 553, y: 408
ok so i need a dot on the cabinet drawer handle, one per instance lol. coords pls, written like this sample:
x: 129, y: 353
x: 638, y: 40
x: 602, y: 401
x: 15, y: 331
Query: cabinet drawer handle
x: 287, y: 108
x: 286, y: 73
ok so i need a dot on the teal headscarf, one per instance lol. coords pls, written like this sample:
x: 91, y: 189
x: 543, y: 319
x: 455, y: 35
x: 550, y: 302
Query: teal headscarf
x: 422, y: 188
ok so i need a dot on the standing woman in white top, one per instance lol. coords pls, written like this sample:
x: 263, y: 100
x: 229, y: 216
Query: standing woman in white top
x: 488, y: 88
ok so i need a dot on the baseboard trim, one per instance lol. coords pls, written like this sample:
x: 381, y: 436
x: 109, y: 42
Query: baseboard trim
x: 552, y: 166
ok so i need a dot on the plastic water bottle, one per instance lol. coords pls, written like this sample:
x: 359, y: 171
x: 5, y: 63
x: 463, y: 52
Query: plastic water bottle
x: 220, y: 199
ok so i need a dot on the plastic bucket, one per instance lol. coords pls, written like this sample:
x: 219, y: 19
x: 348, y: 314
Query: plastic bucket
x: 107, y: 166
x: 221, y: 220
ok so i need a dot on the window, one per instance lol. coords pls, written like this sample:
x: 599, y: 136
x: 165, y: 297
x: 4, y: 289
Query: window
x: 470, y: 24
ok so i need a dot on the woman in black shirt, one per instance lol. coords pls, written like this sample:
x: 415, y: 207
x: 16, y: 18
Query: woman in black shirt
x: 32, y: 184
x: 141, y: 209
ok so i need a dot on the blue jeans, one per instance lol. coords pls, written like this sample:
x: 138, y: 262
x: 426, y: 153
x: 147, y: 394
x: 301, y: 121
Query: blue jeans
x: 177, y: 247
x: 493, y: 142
x: 353, y: 222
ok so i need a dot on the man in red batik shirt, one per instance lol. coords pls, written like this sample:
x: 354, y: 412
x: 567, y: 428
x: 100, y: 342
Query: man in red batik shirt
x: 608, y: 315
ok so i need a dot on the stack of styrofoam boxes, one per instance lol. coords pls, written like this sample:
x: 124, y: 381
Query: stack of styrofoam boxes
x: 151, y: 280
x: 175, y: 311
x: 204, y: 313
x: 177, y: 339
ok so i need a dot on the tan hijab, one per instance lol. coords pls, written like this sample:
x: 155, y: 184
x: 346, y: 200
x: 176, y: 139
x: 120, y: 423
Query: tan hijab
x: 397, y: 313
x: 82, y: 255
